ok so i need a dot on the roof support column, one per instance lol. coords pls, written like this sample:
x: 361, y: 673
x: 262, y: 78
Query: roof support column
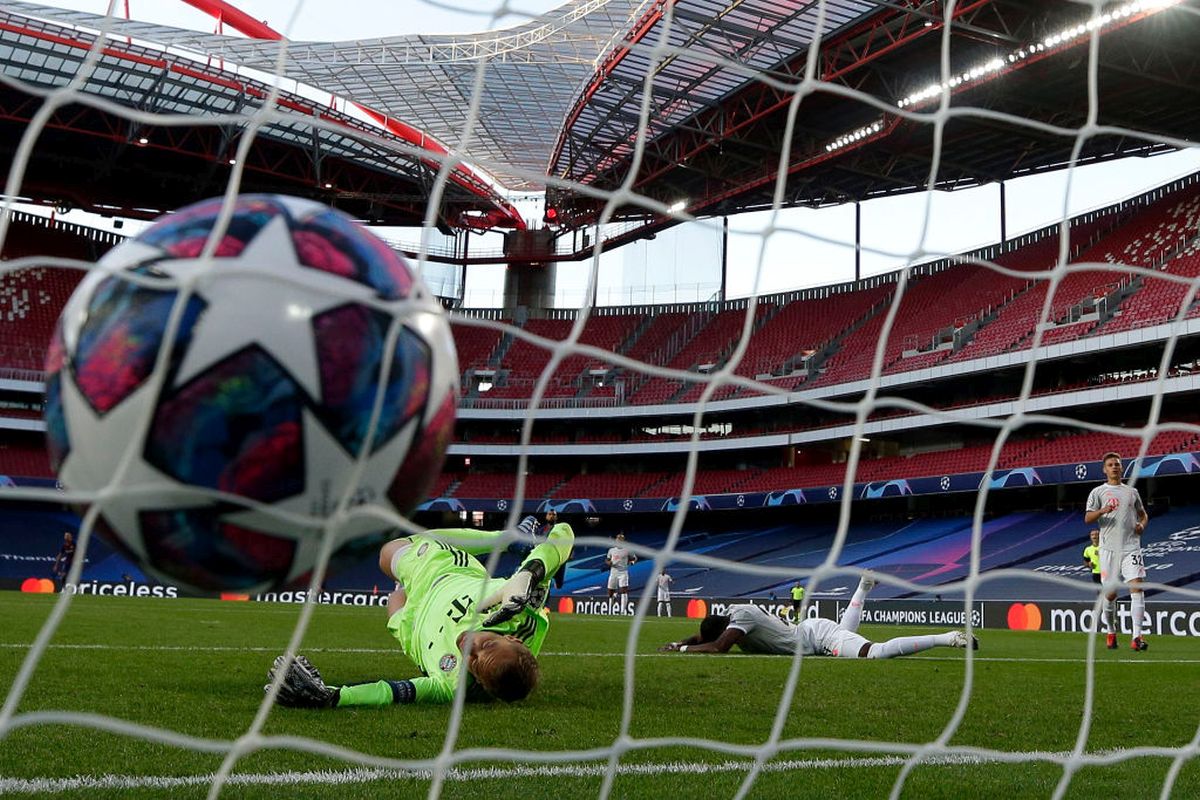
x: 724, y: 258
x: 857, y: 240
x: 1003, y: 214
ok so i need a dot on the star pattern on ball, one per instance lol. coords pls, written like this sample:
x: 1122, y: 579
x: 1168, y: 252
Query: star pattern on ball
x: 109, y: 434
x: 328, y: 469
x: 270, y: 305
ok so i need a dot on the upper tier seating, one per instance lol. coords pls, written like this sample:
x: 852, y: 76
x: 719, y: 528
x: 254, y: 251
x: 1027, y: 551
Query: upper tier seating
x: 1146, y: 238
x: 474, y: 345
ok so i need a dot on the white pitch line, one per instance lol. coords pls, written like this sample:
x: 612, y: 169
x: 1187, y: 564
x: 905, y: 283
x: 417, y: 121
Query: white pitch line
x: 166, y: 648
x: 365, y: 775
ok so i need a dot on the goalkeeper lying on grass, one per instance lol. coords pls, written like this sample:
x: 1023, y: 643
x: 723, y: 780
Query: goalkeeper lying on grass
x: 435, y: 615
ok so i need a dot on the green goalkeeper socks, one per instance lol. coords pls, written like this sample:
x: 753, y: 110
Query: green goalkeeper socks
x: 555, y: 551
x: 378, y: 693
x: 469, y: 540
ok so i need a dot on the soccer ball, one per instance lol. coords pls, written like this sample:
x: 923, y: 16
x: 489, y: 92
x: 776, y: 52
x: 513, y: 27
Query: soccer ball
x: 223, y: 408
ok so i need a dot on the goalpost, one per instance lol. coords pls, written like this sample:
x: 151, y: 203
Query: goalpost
x: 936, y: 106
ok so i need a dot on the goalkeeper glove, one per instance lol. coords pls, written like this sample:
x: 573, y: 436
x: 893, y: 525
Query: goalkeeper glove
x: 522, y: 590
x: 302, y: 685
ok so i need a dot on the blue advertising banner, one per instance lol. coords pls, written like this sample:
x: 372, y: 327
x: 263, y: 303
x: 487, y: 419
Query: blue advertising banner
x: 1017, y: 478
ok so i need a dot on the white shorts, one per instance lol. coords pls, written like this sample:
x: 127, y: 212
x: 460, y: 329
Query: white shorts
x: 664, y: 595
x: 1127, y: 564
x: 618, y: 580
x: 831, y: 639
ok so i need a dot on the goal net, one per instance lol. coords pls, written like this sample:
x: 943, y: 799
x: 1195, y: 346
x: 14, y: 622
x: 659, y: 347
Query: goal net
x: 636, y: 117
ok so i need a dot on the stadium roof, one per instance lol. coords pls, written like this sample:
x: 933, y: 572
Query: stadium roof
x: 530, y: 77
x: 562, y: 94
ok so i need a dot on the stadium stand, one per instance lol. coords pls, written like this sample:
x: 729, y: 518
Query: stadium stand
x: 490, y: 484
x: 30, y: 302
x: 475, y: 345
x: 803, y: 329
x: 31, y: 299
x: 24, y: 459
x: 1158, y: 301
x: 608, y: 485
x: 523, y: 361
x: 1145, y: 239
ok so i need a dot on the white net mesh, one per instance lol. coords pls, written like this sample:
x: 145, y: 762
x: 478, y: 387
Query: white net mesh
x: 478, y: 131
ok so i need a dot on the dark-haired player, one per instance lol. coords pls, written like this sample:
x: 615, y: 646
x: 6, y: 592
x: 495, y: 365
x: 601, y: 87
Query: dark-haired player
x: 755, y: 631
x: 62, y: 561
x: 441, y: 591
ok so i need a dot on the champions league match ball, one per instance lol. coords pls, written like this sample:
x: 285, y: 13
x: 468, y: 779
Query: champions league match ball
x: 251, y: 376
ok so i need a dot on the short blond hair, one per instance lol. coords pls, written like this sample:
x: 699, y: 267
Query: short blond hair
x: 1110, y: 454
x: 510, y: 674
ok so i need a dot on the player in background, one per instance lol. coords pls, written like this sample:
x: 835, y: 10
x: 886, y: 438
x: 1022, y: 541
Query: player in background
x: 664, y: 582
x: 797, y: 601
x: 62, y: 561
x: 619, y: 560
x: 756, y: 631
x: 1091, y: 555
x: 441, y: 591
x: 1118, y: 511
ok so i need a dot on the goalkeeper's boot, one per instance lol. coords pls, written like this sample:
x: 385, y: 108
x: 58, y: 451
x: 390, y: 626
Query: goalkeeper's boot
x: 1139, y: 644
x: 302, y: 685
x: 1110, y: 641
x: 527, y: 530
x: 962, y: 640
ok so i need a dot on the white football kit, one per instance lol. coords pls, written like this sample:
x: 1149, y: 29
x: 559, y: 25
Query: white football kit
x: 1120, y: 545
x: 664, y: 588
x: 618, y: 576
x: 766, y: 633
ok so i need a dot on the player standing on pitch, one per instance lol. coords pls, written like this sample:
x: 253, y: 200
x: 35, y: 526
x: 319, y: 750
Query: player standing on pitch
x: 664, y: 582
x: 435, y: 615
x: 1118, y: 511
x: 1091, y: 555
x: 797, y: 601
x: 618, y: 560
x: 62, y: 561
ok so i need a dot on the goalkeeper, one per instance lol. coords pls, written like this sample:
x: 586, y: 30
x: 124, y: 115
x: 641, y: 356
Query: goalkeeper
x: 435, y: 614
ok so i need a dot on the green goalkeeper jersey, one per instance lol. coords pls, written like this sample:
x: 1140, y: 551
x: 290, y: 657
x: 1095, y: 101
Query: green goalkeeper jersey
x: 444, y: 586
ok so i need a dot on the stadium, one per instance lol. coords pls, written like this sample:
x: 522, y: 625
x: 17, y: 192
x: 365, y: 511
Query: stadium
x: 932, y: 417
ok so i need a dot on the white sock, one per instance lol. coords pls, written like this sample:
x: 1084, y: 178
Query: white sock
x: 907, y: 645
x: 660, y: 607
x: 1110, y: 616
x: 1137, y: 607
x: 853, y: 613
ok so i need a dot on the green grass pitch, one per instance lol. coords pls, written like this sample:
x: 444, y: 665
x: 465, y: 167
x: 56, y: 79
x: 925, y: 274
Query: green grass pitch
x: 197, y: 668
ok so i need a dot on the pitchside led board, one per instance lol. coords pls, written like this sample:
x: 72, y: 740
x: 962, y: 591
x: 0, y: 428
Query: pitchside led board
x: 1162, y: 618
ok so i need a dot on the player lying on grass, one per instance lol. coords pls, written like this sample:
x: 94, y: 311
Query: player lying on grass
x: 756, y: 631
x: 435, y: 614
